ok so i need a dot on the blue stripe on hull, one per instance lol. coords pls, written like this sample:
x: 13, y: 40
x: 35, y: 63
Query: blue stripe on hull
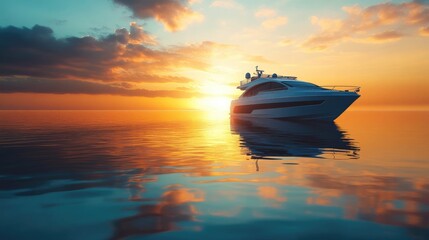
x: 252, y: 107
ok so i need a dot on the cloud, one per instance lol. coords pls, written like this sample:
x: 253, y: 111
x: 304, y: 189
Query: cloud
x: 138, y: 35
x: 285, y: 42
x: 228, y: 4
x: 115, y: 63
x: 55, y: 86
x: 424, y: 31
x: 265, y: 12
x: 386, y: 36
x: 272, y: 21
x: 275, y: 22
x: 173, y: 14
x: 122, y: 56
x: 362, y: 20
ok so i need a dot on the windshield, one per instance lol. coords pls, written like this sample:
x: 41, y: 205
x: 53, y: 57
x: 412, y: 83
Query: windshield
x: 300, y: 84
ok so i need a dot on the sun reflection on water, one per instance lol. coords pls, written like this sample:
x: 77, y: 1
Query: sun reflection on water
x: 198, y: 172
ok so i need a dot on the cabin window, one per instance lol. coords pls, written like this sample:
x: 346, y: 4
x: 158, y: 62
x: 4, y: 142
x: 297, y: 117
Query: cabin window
x: 264, y: 87
x: 300, y: 84
x: 274, y: 86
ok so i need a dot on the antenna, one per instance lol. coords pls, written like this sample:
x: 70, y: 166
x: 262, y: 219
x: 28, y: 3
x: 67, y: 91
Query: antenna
x: 259, y: 72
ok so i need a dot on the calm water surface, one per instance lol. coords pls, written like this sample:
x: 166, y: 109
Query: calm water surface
x: 192, y: 175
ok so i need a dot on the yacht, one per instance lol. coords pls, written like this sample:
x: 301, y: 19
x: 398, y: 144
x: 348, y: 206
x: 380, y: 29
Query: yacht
x: 286, y: 97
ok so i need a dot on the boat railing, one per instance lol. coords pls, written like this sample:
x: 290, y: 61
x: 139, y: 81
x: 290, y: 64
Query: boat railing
x: 343, y: 88
x: 248, y: 80
x: 288, y: 77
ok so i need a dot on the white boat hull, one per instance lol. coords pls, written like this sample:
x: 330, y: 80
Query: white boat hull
x: 326, y: 105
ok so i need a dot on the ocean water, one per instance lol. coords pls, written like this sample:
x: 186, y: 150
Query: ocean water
x: 197, y: 175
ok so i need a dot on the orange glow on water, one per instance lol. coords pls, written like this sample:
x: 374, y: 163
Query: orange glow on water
x: 219, y: 160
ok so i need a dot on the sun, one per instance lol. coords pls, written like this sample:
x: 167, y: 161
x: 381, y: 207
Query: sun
x: 217, y: 97
x: 213, y: 103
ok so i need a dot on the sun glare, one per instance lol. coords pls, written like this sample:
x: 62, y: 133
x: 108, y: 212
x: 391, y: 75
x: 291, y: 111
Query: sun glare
x: 214, y: 103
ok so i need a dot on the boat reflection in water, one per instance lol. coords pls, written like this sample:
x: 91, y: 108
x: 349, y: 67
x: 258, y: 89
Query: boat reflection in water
x: 272, y: 139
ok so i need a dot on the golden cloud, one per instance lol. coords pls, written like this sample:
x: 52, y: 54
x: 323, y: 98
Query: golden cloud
x: 139, y: 36
x: 266, y: 12
x: 424, y: 31
x: 175, y: 15
x: 285, y: 42
x: 275, y: 22
x: 229, y: 4
x: 386, y: 36
x: 360, y: 21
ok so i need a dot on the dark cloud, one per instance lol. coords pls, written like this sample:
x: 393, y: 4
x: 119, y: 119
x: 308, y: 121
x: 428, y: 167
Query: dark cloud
x: 422, y: 1
x: 174, y: 14
x: 112, y: 64
x: 138, y: 35
x: 36, y: 52
x: 122, y: 56
x: 28, y: 85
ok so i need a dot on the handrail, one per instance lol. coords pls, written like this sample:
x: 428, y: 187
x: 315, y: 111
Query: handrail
x: 248, y: 80
x: 343, y: 88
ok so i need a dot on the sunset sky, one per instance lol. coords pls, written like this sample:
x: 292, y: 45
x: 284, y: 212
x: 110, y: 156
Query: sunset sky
x: 191, y: 54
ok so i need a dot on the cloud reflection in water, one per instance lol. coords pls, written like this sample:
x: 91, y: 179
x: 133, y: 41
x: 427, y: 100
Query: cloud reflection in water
x: 127, y: 174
